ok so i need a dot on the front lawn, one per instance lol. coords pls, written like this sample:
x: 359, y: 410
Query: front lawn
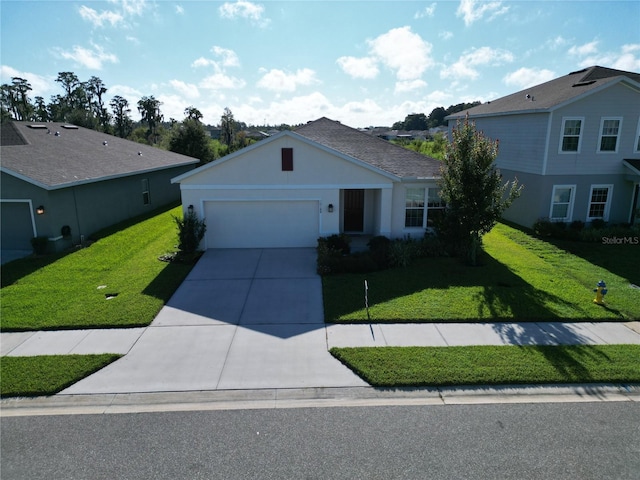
x: 47, y: 374
x: 492, y: 365
x: 522, y: 278
x: 117, y: 281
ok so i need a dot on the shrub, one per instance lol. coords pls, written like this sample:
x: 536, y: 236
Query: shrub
x: 431, y: 246
x: 379, y: 248
x: 191, y: 231
x: 339, y: 243
x: 39, y: 245
x: 598, y: 223
x: 402, y: 252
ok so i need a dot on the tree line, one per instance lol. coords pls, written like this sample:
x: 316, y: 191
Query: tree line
x: 83, y: 103
x: 420, y: 121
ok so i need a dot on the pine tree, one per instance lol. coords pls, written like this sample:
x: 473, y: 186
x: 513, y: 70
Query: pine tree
x: 473, y: 190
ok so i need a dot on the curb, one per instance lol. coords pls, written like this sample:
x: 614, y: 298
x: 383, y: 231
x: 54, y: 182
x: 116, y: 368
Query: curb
x: 277, y: 398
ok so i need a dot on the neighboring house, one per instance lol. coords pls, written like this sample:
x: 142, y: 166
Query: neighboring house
x: 573, y: 142
x: 321, y: 179
x: 66, y: 182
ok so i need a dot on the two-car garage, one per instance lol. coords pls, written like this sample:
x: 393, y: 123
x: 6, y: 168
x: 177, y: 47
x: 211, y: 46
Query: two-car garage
x: 262, y: 223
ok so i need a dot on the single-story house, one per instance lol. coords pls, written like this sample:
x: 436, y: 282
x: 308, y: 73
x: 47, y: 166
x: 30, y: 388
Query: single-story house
x: 66, y: 182
x: 573, y: 142
x: 323, y: 178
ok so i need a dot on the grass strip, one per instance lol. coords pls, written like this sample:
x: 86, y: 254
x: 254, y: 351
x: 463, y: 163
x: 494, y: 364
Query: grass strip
x: 117, y: 281
x: 492, y: 365
x: 47, y: 374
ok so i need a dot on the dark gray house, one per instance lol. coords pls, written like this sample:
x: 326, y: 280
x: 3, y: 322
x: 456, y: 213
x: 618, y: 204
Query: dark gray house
x: 66, y: 182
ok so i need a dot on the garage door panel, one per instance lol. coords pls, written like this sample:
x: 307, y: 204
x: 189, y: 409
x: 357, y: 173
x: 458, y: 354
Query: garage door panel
x: 261, y: 224
x: 16, y: 228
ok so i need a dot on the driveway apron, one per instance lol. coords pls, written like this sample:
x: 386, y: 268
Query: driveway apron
x: 243, y: 319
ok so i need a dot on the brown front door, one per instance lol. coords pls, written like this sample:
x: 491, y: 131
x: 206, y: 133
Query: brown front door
x: 353, y: 210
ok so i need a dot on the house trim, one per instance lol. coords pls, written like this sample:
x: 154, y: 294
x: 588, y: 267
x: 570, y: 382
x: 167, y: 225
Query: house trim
x: 607, y: 206
x: 569, y: 215
x: 600, y: 133
x: 288, y: 187
x: 30, y: 203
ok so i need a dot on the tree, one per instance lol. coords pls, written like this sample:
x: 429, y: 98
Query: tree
x: 472, y: 189
x: 40, y: 114
x: 15, y: 99
x: 96, y: 89
x: 227, y: 125
x: 121, y: 119
x: 190, y: 138
x: 436, y: 117
x: 149, y: 109
x: 192, y: 113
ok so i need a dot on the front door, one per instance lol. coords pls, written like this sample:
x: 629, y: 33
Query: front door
x: 354, y: 210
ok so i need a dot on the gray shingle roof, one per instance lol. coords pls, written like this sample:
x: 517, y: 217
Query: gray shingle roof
x: 77, y: 155
x: 379, y: 153
x: 546, y: 96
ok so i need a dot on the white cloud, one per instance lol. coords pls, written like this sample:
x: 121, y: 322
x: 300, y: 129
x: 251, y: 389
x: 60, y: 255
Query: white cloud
x: 426, y: 11
x: 220, y: 81
x: 627, y: 58
x: 203, y: 62
x: 474, y: 10
x: 359, y: 67
x: 40, y: 86
x: 409, y: 85
x: 229, y: 57
x: 99, y: 19
x: 188, y: 90
x: 446, y: 35
x: 464, y: 66
x: 92, y: 59
x: 280, y: 81
x: 403, y: 51
x: 528, y: 77
x: 132, y: 39
x: 586, y: 49
x: 179, y: 9
x: 132, y: 7
x: 244, y: 9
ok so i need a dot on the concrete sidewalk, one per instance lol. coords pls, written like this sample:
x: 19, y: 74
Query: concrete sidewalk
x: 253, y: 319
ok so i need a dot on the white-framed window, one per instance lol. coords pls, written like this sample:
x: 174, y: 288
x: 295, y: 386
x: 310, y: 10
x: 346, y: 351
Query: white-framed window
x: 571, y: 135
x: 599, y: 202
x: 414, y: 207
x: 636, y: 148
x: 435, y: 207
x: 562, y: 203
x: 146, y: 197
x: 608, y: 139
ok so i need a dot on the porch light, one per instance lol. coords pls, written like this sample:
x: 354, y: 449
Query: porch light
x: 40, y: 210
x: 330, y: 208
x: 190, y: 208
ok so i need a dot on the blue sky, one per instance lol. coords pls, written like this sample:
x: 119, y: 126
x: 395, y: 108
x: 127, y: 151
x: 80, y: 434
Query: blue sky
x: 363, y: 63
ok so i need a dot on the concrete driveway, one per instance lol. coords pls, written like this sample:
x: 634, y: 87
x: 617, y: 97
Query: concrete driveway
x: 243, y: 319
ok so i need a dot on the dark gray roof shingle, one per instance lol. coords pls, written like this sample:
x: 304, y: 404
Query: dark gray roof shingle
x: 369, y: 149
x: 77, y: 155
x: 543, y: 97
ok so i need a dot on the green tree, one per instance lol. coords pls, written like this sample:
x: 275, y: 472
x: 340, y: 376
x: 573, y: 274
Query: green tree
x: 192, y: 113
x: 122, y: 121
x: 227, y: 125
x: 15, y: 99
x: 473, y: 190
x: 149, y: 108
x: 40, y: 114
x: 190, y: 138
x: 96, y: 89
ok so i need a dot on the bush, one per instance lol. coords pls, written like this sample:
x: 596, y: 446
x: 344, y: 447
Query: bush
x: 402, y: 252
x: 191, y: 231
x: 39, y: 245
x: 431, y: 246
x: 379, y: 248
x: 339, y: 243
x: 598, y: 224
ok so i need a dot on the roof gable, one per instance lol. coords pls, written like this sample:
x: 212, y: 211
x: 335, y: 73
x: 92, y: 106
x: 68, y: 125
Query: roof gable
x: 553, y: 94
x: 56, y: 155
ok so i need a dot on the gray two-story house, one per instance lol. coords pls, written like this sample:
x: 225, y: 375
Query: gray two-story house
x: 574, y: 142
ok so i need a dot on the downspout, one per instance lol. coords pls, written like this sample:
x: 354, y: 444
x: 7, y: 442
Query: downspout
x: 75, y: 205
x: 546, y: 149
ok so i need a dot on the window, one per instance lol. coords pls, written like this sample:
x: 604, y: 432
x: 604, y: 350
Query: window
x: 414, y: 208
x: 609, y: 131
x: 571, y: 138
x: 562, y: 203
x: 637, y: 146
x: 146, y: 198
x: 287, y: 159
x: 599, y: 202
x: 435, y: 207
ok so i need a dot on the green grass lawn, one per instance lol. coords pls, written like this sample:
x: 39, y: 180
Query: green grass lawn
x: 492, y: 365
x: 47, y: 374
x: 521, y: 278
x: 70, y: 291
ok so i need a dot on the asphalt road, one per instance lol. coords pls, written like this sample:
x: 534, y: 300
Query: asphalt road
x: 525, y: 441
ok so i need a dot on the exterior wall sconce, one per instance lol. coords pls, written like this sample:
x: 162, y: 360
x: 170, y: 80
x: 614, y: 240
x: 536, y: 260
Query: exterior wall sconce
x: 40, y: 210
x: 330, y: 208
x: 190, y: 208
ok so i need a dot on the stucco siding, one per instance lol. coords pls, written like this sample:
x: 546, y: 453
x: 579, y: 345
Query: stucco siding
x: 616, y: 101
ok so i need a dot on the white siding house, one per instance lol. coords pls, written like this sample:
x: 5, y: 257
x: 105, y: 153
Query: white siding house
x: 573, y: 142
x: 321, y: 179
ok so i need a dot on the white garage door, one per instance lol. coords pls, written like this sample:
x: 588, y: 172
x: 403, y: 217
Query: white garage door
x: 262, y: 224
